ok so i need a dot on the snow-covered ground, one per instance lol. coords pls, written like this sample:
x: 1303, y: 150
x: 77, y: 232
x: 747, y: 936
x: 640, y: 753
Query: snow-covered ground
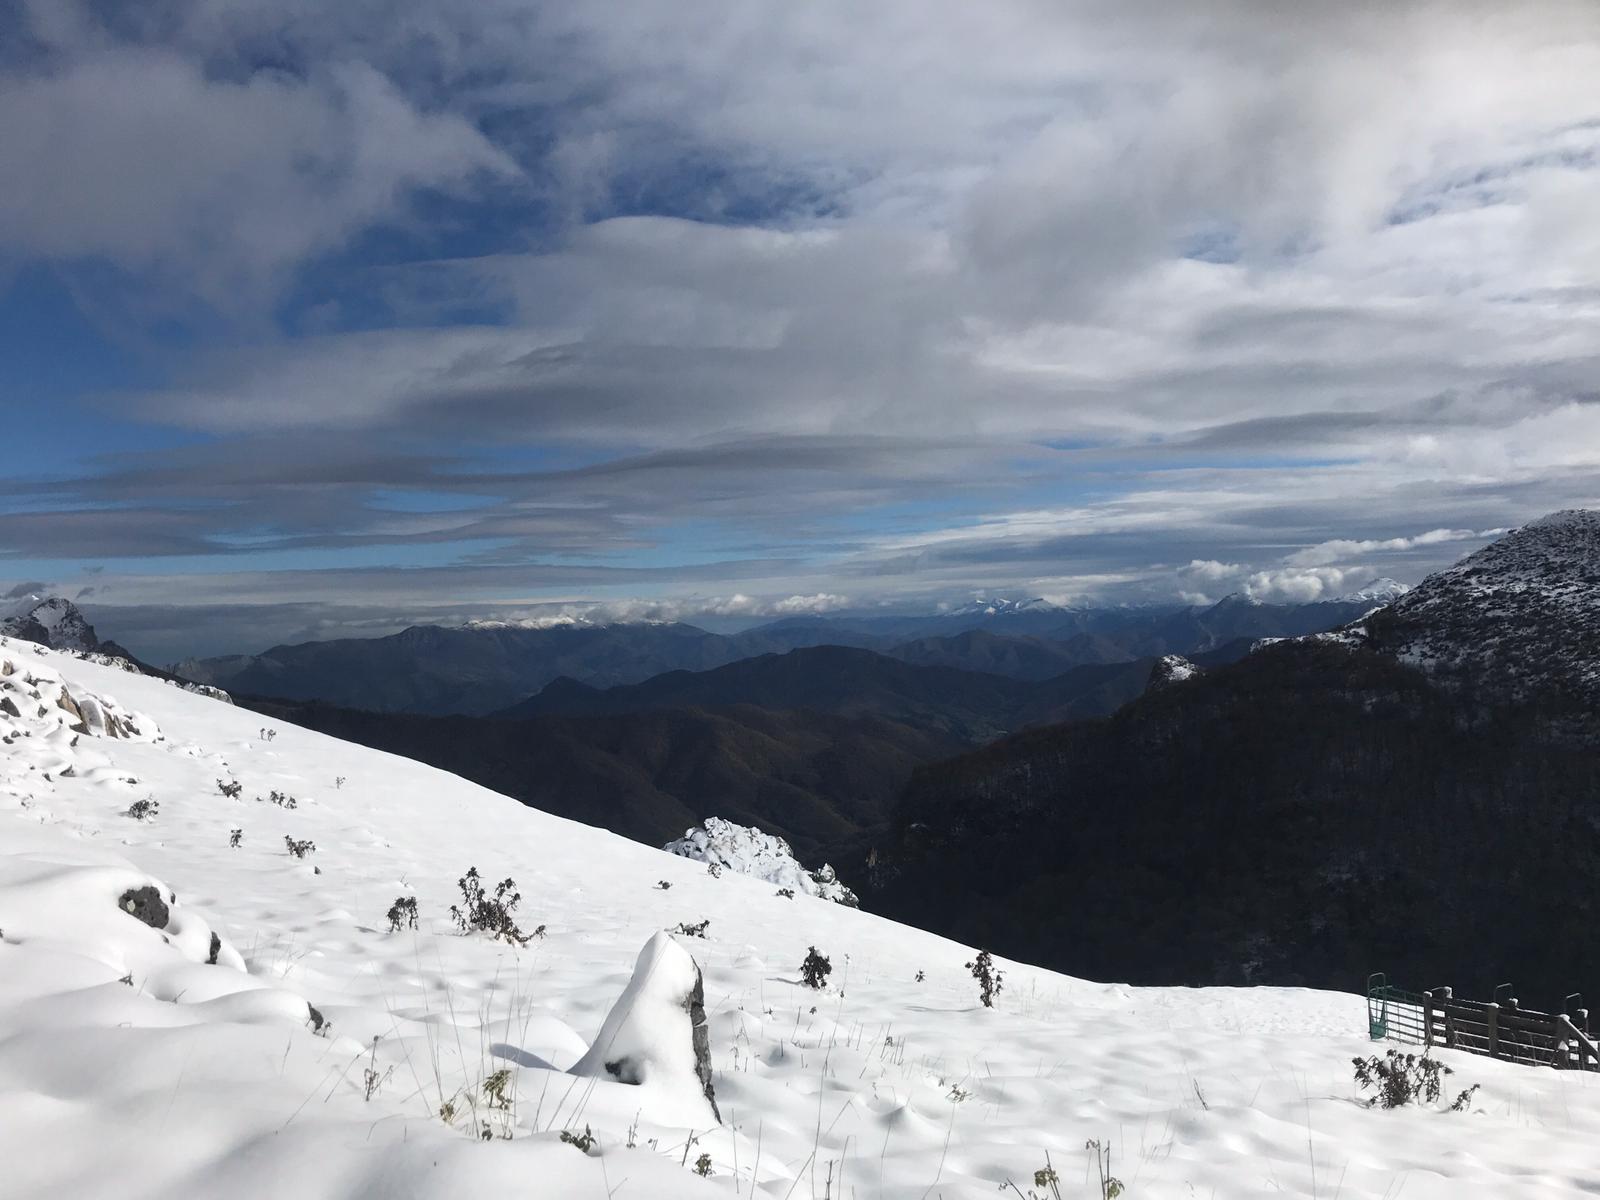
x: 132, y: 1068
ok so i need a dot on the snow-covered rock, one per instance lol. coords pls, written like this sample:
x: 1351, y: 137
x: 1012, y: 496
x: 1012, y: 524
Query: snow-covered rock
x: 102, y: 909
x: 34, y: 699
x: 746, y: 850
x: 1171, y: 669
x: 655, y: 1037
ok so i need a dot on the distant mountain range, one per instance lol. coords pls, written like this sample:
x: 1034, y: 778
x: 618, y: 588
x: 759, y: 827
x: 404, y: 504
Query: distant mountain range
x: 1413, y: 793
x: 967, y: 705
x: 489, y: 666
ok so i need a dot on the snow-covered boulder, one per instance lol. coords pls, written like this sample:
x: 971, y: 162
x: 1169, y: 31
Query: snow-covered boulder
x: 101, y: 909
x: 746, y: 850
x: 655, y: 1037
x: 37, y: 700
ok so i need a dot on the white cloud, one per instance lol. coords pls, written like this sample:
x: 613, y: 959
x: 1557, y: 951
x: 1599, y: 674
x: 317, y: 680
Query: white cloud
x: 1340, y: 549
x: 137, y: 157
x: 814, y: 605
x: 1301, y: 585
x: 1209, y: 570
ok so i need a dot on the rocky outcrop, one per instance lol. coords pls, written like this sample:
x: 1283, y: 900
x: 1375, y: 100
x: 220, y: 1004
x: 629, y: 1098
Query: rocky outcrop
x: 35, y: 693
x: 1170, y: 670
x: 655, y: 1038
x: 50, y: 621
x: 746, y: 850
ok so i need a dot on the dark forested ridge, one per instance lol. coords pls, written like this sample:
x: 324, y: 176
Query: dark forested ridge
x: 826, y: 783
x: 1304, y: 816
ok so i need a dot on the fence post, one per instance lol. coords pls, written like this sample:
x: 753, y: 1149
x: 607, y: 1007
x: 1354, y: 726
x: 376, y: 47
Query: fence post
x: 1445, y: 995
x: 1491, y: 1012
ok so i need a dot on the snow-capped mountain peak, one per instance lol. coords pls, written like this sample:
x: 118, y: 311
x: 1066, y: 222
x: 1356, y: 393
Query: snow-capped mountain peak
x: 51, y: 621
x: 999, y: 606
x: 1379, y: 591
x: 1238, y: 600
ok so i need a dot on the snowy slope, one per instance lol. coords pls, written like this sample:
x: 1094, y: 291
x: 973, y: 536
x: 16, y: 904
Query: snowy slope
x: 199, y: 1080
x: 1521, y: 616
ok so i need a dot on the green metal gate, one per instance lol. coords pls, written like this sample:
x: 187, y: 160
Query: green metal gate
x: 1395, y: 1015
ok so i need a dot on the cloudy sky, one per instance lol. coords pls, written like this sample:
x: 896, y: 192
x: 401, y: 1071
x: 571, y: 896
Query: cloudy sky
x: 323, y: 318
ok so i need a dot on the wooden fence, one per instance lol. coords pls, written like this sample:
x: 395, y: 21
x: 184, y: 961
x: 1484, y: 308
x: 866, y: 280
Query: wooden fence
x: 1499, y: 1028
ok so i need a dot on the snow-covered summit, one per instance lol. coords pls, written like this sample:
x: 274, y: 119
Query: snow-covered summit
x: 748, y: 851
x: 1584, y: 521
x: 1000, y: 606
x: 1520, y: 616
x: 51, y: 621
x: 1379, y: 591
x: 1238, y: 600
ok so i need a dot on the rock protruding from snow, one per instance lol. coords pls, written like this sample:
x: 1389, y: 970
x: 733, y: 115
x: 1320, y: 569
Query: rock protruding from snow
x: 746, y: 850
x: 99, y: 909
x: 1171, y: 669
x: 655, y: 1037
x: 1519, y: 618
x: 145, y: 904
x: 37, y: 701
